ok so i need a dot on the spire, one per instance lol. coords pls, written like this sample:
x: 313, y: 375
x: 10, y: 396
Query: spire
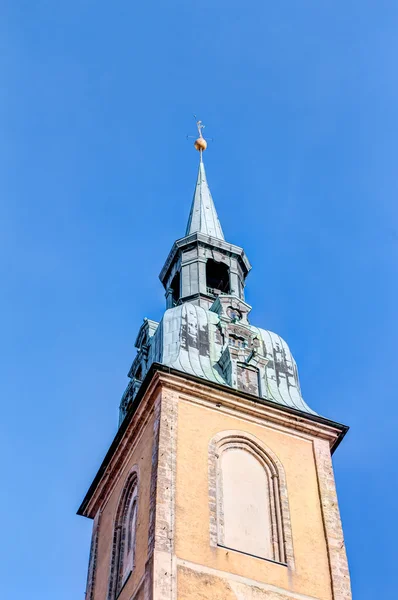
x: 203, y: 217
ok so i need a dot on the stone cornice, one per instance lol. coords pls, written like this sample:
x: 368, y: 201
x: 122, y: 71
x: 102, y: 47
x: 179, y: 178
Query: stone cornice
x: 254, y: 409
x: 194, y: 390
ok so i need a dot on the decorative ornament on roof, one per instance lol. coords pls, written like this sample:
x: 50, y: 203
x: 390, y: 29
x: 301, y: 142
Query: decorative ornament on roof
x: 203, y: 217
x: 200, y: 143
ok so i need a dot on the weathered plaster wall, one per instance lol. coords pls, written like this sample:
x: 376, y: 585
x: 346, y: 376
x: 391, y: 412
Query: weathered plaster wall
x: 311, y: 577
x: 195, y: 585
x: 140, y: 454
x: 173, y: 440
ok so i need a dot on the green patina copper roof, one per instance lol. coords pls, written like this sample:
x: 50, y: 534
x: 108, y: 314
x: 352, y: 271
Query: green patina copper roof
x: 206, y: 331
x: 197, y: 341
x: 203, y: 217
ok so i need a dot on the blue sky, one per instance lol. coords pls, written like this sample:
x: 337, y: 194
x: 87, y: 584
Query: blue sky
x: 96, y: 182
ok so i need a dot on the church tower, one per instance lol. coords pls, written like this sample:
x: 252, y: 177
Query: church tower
x: 219, y: 483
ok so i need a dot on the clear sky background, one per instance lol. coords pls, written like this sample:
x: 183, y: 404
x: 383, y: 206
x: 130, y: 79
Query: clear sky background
x: 96, y: 182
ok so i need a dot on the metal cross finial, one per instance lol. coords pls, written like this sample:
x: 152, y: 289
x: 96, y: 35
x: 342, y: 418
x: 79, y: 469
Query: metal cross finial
x: 200, y: 126
x: 200, y: 143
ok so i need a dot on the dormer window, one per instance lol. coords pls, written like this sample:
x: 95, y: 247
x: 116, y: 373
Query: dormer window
x: 237, y: 342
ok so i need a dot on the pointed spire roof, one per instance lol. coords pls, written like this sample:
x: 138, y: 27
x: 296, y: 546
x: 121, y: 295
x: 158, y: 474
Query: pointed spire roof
x: 203, y: 217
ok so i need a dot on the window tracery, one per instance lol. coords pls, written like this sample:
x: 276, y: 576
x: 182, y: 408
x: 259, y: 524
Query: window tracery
x: 123, y: 549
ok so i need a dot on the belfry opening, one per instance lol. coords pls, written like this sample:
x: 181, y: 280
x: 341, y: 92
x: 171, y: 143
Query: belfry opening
x: 175, y: 287
x: 217, y: 278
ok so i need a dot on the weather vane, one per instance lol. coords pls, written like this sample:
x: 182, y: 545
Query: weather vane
x: 200, y: 142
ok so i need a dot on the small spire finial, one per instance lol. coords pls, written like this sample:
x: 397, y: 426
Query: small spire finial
x: 200, y: 144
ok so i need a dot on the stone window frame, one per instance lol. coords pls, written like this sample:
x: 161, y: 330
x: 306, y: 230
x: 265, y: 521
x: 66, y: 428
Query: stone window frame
x: 122, y: 561
x: 281, y: 534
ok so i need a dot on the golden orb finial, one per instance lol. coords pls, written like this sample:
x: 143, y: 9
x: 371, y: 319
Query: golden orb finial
x: 200, y: 144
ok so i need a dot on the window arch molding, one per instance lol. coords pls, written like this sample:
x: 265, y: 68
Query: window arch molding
x: 124, y: 535
x: 281, y: 535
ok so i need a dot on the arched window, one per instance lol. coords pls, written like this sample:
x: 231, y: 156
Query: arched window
x: 123, y: 550
x: 249, y: 509
x: 246, y: 510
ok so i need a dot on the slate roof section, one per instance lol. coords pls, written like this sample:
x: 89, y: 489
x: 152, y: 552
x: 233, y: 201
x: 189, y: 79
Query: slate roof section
x: 203, y: 217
